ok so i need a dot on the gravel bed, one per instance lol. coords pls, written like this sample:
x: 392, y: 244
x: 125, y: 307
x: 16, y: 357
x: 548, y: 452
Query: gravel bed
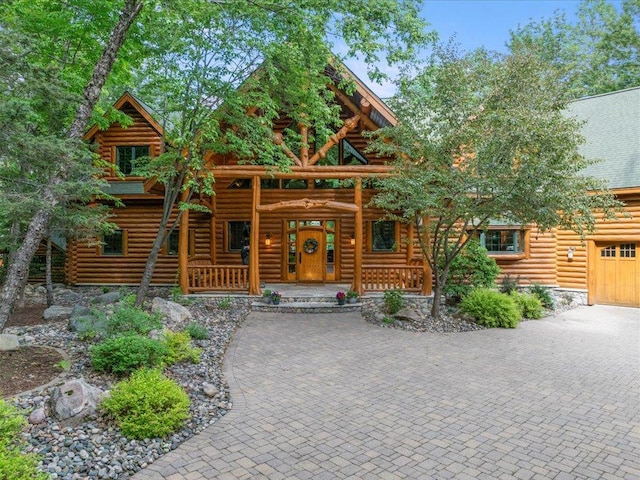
x: 96, y: 449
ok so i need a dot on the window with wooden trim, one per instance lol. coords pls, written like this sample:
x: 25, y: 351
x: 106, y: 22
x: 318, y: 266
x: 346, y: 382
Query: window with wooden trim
x: 383, y: 236
x: 504, y: 241
x: 238, y: 234
x: 126, y: 156
x: 114, y: 243
x: 608, y: 252
x: 171, y: 247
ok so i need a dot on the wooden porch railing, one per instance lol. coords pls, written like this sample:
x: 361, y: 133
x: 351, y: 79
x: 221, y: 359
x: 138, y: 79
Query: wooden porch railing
x: 218, y: 277
x: 383, y: 277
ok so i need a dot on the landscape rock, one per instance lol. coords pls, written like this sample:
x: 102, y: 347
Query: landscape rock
x: 74, y: 401
x: 56, y: 312
x: 209, y: 390
x: 8, y: 341
x: 38, y: 416
x: 173, y: 312
x: 408, y: 314
x: 107, y: 298
x: 66, y: 296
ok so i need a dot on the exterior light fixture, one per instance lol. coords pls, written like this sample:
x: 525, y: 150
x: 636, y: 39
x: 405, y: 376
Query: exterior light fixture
x: 267, y: 239
x: 353, y: 240
x: 570, y: 253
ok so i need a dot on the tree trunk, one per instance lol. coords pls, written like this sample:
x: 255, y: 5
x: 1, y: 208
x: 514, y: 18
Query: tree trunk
x: 150, y: 266
x: 19, y: 268
x: 437, y: 295
x: 47, y: 275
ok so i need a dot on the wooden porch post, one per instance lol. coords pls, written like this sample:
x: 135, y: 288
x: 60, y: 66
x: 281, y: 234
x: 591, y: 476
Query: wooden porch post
x: 410, y: 241
x: 183, y: 248
x: 357, y: 257
x: 212, y: 231
x: 254, y: 245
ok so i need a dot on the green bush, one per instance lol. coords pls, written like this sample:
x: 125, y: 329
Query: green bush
x: 147, y: 405
x: 196, y: 331
x: 124, y: 354
x: 179, y: 349
x: 14, y: 464
x: 131, y: 320
x: 393, y: 300
x: 491, y: 308
x: 529, y: 305
x: 543, y: 294
x: 472, y: 268
x: 509, y: 284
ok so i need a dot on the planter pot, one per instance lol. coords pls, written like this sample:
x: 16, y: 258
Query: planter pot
x: 341, y: 302
x: 266, y: 300
x: 275, y: 301
x: 352, y: 300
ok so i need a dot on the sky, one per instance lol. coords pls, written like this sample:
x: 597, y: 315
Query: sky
x: 477, y: 23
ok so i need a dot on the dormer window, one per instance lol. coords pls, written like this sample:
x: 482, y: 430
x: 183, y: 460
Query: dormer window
x: 127, y: 154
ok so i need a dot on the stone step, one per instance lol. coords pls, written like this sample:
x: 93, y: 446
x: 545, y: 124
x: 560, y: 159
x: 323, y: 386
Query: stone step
x: 307, y: 306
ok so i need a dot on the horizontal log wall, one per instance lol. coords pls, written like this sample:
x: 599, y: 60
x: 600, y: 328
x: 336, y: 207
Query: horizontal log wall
x: 140, y: 221
x: 573, y: 273
x: 540, y: 264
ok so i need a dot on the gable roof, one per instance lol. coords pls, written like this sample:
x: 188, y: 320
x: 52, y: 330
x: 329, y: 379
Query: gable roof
x: 141, y: 107
x: 612, y: 134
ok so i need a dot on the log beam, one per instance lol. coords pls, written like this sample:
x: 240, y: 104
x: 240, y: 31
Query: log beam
x: 306, y: 204
x: 254, y: 245
x: 278, y: 139
x: 349, y: 124
x: 337, y: 172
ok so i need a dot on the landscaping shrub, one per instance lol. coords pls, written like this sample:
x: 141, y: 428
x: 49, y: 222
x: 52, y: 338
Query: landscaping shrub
x: 178, y: 348
x: 14, y: 464
x: 509, y: 284
x: 124, y: 354
x: 131, y: 320
x: 147, y: 405
x: 491, y: 308
x: 196, y: 331
x: 472, y: 268
x: 529, y: 305
x: 543, y: 294
x: 393, y: 300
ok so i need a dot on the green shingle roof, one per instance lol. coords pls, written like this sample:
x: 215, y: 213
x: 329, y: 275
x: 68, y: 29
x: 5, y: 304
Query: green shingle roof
x: 612, y: 134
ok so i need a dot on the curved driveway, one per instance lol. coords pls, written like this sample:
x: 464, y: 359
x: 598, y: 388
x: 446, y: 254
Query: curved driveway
x: 330, y: 397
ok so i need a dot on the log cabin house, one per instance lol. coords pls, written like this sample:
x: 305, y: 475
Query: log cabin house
x: 302, y: 226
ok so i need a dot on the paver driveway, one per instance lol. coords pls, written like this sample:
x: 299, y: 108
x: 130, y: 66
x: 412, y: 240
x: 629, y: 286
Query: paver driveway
x: 325, y: 396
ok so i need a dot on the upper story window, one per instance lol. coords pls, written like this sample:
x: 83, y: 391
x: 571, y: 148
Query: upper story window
x: 345, y: 153
x: 127, y: 154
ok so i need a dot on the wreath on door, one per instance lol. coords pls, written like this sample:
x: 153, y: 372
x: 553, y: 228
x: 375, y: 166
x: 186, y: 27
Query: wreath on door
x: 310, y: 246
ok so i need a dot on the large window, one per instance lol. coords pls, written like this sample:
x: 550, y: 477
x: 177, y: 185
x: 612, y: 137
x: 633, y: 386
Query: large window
x: 126, y: 155
x: 114, y: 243
x: 503, y: 241
x: 238, y: 235
x: 172, y: 245
x: 383, y: 236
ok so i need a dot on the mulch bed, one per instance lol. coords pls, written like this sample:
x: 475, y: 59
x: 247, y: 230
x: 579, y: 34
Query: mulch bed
x: 28, y: 367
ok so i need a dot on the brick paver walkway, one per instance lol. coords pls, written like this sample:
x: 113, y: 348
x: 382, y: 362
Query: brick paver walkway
x: 328, y: 397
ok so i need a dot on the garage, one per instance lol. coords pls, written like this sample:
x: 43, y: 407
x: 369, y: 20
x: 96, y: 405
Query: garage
x: 616, y: 271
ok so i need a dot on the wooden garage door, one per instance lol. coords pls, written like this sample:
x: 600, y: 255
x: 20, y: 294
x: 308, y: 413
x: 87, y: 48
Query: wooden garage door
x: 617, y: 274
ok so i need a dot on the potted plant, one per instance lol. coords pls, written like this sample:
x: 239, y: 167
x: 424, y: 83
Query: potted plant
x: 275, y: 298
x: 352, y: 296
x: 266, y: 296
x: 341, y: 297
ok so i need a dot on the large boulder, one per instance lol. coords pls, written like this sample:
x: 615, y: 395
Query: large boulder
x: 57, y: 312
x: 83, y: 321
x: 106, y: 298
x: 75, y: 401
x: 66, y: 296
x: 173, y: 313
x: 408, y: 314
x: 8, y: 341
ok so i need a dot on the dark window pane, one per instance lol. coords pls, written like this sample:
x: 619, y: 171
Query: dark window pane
x: 503, y: 241
x: 384, y: 236
x: 112, y: 244
x: 628, y: 250
x: 269, y: 183
x: 126, y: 155
x: 294, y: 183
x: 173, y: 243
x: 241, y: 183
x: 238, y: 235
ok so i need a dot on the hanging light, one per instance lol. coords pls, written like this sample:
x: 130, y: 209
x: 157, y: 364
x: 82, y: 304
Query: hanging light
x: 267, y: 239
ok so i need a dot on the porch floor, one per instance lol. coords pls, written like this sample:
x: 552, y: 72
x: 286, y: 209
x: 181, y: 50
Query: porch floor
x: 288, y: 290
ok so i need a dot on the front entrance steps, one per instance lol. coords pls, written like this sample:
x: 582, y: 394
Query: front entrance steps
x: 306, y: 305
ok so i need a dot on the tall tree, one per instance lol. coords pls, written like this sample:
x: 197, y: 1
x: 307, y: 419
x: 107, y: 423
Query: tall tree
x: 58, y: 174
x: 599, y: 52
x: 218, y: 64
x: 484, y: 138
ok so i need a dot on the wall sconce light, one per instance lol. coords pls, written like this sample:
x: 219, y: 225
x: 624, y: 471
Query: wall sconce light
x: 353, y: 240
x: 570, y: 253
x: 267, y: 240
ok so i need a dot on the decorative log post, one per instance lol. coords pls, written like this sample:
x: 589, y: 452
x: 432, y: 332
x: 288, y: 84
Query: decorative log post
x: 212, y: 231
x: 357, y: 257
x: 183, y: 247
x: 254, y: 245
